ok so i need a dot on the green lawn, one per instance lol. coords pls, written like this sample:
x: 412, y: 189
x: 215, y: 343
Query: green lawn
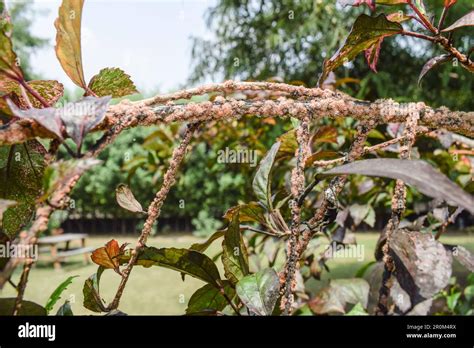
x: 161, y: 291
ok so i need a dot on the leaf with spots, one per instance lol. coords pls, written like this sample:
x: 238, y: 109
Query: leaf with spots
x: 210, y: 298
x: 335, y: 297
x: 92, y: 299
x: 9, y: 63
x: 21, y: 172
x: 186, y: 261
x: 259, y: 291
x: 249, y: 212
x: 112, y: 81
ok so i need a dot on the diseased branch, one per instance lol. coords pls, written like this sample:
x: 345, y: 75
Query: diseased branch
x: 154, y: 209
x: 302, y: 103
x: 329, y: 202
x: 295, y: 101
x: 369, y: 149
x: 22, y: 286
x: 450, y: 220
x: 398, y: 207
x: 44, y: 211
x: 288, y: 280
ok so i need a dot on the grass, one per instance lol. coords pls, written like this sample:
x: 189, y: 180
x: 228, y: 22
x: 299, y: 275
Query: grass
x: 161, y: 291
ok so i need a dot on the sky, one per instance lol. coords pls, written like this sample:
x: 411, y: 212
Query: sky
x: 148, y: 39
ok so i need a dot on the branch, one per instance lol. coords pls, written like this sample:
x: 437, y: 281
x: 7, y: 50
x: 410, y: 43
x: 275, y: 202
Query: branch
x: 398, y: 207
x: 297, y: 189
x: 369, y: 149
x: 154, y: 209
x: 314, y: 103
x: 334, y: 188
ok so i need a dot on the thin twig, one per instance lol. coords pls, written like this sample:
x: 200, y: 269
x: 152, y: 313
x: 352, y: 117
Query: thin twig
x: 288, y: 281
x: 398, y: 207
x: 154, y: 210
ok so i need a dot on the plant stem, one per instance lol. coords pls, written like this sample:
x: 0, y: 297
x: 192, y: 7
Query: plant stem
x: 423, y: 18
x: 34, y: 93
x: 418, y: 35
x: 232, y: 304
x: 442, y: 18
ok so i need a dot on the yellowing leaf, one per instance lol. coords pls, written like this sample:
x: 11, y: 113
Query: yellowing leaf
x: 68, y: 40
x: 112, y: 81
x: 126, y: 200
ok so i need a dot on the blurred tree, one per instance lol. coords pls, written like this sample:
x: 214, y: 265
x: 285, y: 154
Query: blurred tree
x: 24, y: 40
x: 258, y: 39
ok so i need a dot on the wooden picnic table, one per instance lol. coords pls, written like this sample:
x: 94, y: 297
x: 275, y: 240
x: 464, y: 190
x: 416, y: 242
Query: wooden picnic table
x: 59, y: 254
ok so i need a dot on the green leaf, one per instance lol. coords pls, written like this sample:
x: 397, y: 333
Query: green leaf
x: 361, y: 271
x: 357, y: 310
x: 56, y: 295
x: 65, y: 309
x: 234, y: 255
x: 262, y: 181
x: 112, y: 81
x: 68, y: 40
x: 333, y: 298
x: 365, y: 32
x: 452, y: 300
x: 9, y: 64
x: 465, y: 21
x: 190, y: 262
x: 413, y: 172
x: 4, y: 205
x: 421, y: 6
x: 250, y: 212
x: 370, y: 218
x: 126, y: 199
x: 201, y: 247
x: 259, y: 291
x: 210, y: 298
x: 92, y: 299
x: 21, y: 172
x: 27, y: 308
x: 288, y: 145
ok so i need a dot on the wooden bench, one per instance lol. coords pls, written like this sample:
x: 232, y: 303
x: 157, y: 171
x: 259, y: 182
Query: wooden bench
x: 59, y: 254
